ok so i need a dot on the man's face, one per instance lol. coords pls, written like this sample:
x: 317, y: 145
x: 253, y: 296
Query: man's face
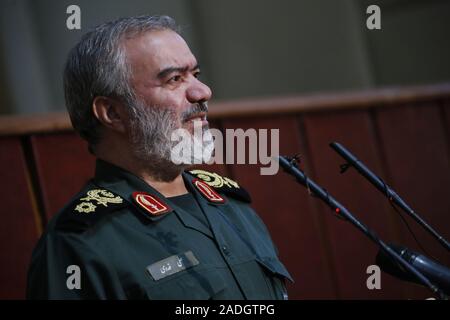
x: 168, y: 93
x: 165, y: 75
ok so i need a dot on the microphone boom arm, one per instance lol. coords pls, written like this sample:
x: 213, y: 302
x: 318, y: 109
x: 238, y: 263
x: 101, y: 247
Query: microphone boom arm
x: 290, y: 167
x: 386, y: 190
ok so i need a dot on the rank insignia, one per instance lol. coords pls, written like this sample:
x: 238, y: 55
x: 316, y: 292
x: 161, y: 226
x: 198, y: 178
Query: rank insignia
x: 88, y: 208
x: 214, y: 180
x: 97, y: 197
x: 221, y: 184
x: 208, y: 192
x: 150, y: 203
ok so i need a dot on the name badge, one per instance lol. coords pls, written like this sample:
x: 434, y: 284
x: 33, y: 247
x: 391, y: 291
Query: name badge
x: 172, y: 265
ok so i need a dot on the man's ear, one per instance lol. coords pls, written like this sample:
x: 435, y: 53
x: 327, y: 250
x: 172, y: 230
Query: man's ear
x: 111, y: 113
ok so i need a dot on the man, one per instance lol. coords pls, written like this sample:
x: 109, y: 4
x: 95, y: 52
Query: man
x: 143, y: 228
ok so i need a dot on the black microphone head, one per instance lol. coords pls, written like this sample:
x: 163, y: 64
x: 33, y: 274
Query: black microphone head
x: 435, y: 272
x: 388, y: 265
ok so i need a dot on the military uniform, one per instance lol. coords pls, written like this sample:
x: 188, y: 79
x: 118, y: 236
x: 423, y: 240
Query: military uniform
x: 130, y: 242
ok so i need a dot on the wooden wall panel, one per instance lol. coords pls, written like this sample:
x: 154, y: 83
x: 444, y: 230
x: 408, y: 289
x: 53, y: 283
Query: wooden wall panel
x: 285, y: 208
x: 20, y: 223
x: 352, y: 251
x: 405, y: 141
x: 416, y: 152
x: 63, y: 166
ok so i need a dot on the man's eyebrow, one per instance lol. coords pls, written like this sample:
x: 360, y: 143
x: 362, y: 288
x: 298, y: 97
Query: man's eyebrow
x: 165, y: 72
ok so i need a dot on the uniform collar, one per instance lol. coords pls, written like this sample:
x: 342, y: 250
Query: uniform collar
x: 125, y: 183
x: 203, y: 190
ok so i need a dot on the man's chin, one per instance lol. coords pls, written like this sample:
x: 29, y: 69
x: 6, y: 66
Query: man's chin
x: 168, y: 172
x: 191, y: 126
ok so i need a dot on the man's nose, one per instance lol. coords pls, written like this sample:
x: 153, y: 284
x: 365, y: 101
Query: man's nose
x: 198, y: 92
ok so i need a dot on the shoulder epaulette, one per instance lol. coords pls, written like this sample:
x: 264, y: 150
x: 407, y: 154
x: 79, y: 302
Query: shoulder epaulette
x: 88, y: 208
x: 222, y: 184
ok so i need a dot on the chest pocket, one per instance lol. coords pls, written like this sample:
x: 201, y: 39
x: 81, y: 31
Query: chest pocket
x: 277, y: 276
x: 197, y: 283
x: 274, y: 266
x: 262, y: 278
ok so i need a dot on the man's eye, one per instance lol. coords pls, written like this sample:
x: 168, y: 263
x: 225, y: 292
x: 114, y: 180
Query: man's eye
x: 175, y: 79
x: 197, y: 74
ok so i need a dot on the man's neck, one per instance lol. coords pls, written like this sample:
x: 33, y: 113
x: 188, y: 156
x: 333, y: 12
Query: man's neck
x: 172, y: 188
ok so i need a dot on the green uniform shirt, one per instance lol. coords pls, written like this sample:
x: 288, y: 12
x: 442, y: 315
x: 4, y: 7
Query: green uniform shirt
x: 106, y: 245
x: 189, y: 203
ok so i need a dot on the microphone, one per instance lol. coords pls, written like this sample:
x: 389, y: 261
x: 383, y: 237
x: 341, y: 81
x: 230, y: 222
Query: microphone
x: 385, y: 189
x: 289, y: 164
x: 435, y: 272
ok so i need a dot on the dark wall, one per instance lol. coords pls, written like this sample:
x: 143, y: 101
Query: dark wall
x: 247, y: 48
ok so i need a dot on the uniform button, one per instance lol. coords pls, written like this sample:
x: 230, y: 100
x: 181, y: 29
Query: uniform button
x: 225, y: 250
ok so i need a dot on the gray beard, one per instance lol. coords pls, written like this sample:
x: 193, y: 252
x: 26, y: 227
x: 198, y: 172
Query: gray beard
x: 151, y: 128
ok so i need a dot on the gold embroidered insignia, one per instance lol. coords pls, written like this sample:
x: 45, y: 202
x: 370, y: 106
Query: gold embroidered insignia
x: 214, y: 180
x: 221, y: 184
x: 85, y: 207
x: 100, y: 196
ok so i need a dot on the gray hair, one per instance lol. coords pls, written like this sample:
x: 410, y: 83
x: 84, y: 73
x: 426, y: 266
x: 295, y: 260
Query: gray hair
x: 97, y: 66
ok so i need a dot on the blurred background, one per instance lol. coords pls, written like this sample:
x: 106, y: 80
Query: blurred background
x: 252, y: 48
x: 309, y: 68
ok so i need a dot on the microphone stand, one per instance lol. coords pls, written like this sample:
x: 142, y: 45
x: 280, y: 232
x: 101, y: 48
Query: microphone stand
x: 289, y: 165
x: 385, y: 189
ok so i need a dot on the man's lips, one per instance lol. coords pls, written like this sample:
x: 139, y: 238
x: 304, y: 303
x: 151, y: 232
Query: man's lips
x: 197, y: 117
